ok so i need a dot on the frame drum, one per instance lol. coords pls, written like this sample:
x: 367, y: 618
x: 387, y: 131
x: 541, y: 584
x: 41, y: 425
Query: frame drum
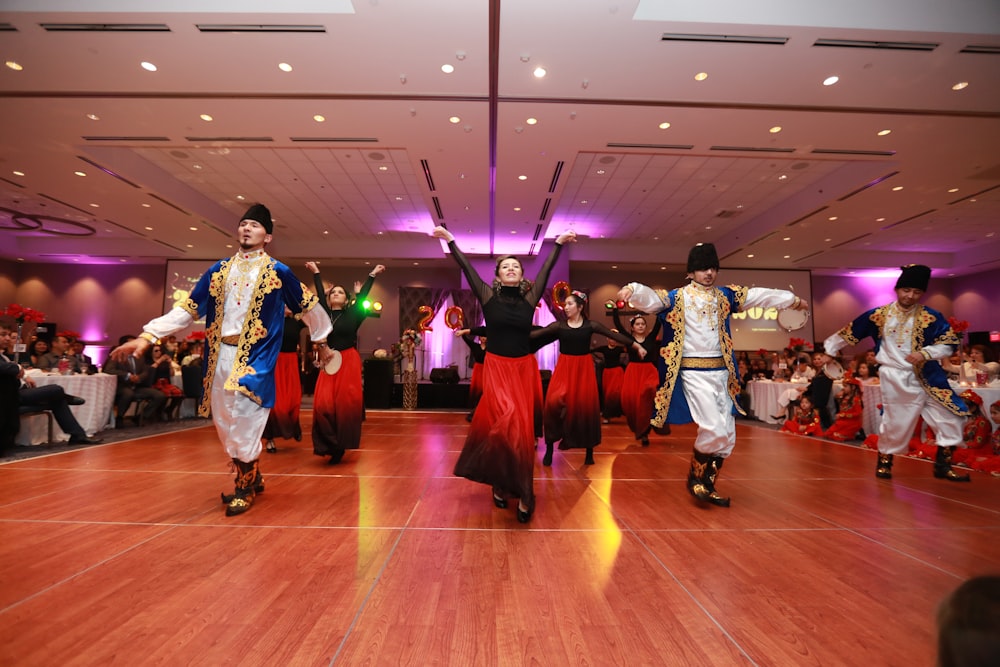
x: 792, y: 320
x: 833, y: 370
x: 333, y: 365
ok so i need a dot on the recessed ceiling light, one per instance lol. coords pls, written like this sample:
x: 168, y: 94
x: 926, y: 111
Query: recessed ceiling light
x: 663, y: 268
x: 513, y: 231
x: 18, y: 173
x: 583, y: 201
x: 193, y: 228
x: 205, y: 117
x: 447, y: 69
x: 897, y: 188
x: 398, y: 198
x: 952, y: 190
x: 708, y: 226
x: 827, y: 240
x: 832, y: 218
x: 284, y: 67
x: 600, y: 172
x: 701, y: 76
x: 614, y: 266
x: 229, y: 245
x: 382, y: 167
x: 750, y: 256
x: 522, y: 177
x: 531, y: 121
x: 787, y: 238
x: 775, y: 129
x: 882, y: 133
x: 189, y: 245
x: 830, y: 80
x: 879, y: 219
x: 539, y: 72
x: 517, y: 208
x: 95, y: 206
x: 787, y: 256
x: 93, y: 116
x: 149, y: 67
x: 240, y: 197
x: 319, y: 118
x: 960, y: 85
x: 122, y: 260
x: 146, y: 205
x: 416, y: 264
x: 782, y: 177
x: 148, y: 228
x: 14, y: 65
x: 455, y: 120
x: 663, y: 126
x: 326, y: 231
x: 80, y: 173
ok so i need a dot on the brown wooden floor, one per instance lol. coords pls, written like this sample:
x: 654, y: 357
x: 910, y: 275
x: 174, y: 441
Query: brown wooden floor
x: 121, y: 554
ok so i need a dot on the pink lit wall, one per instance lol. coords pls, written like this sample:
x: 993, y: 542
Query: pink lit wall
x: 977, y: 300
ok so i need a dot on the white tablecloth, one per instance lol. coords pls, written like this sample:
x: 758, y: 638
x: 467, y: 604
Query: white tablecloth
x: 764, y: 396
x: 94, y: 415
x: 990, y: 395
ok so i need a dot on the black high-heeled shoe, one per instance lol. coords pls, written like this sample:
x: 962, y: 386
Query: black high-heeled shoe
x: 589, y: 459
x: 499, y: 500
x: 524, y: 515
x: 547, y: 459
x: 270, y: 447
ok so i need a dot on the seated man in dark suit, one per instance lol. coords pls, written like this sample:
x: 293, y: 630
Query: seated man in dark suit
x: 135, y: 383
x: 49, y: 397
x: 83, y: 362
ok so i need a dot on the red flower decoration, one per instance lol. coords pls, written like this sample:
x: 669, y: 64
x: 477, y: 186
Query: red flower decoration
x: 762, y: 352
x: 68, y: 333
x: 957, y: 325
x: 196, y: 335
x: 23, y: 314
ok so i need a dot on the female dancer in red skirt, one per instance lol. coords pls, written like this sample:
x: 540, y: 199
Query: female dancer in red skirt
x: 283, y: 421
x: 500, y: 447
x: 477, y: 349
x: 641, y: 378
x: 612, y: 377
x: 572, y: 414
x: 338, y: 404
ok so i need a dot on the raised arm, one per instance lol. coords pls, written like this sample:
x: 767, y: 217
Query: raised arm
x: 318, y: 284
x: 480, y: 288
x: 363, y: 292
x: 627, y: 341
x: 538, y: 288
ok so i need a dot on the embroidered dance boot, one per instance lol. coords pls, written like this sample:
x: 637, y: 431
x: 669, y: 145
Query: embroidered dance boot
x: 547, y: 459
x: 701, y: 478
x: 589, y: 459
x: 246, y: 474
x: 258, y: 485
x: 943, y: 469
x: 883, y: 469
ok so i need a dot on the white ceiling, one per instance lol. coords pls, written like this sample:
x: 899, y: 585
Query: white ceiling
x: 387, y: 165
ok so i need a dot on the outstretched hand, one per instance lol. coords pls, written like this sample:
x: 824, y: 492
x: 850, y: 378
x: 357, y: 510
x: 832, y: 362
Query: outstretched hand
x: 566, y: 237
x: 625, y: 293
x: 379, y: 268
x: 132, y: 348
x: 312, y: 267
x: 443, y: 233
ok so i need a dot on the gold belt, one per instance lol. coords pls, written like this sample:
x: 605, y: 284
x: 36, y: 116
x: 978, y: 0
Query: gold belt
x: 703, y: 362
x: 231, y: 340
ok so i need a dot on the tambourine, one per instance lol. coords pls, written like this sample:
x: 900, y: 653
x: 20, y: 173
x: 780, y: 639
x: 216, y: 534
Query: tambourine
x: 792, y: 320
x: 331, y: 367
x: 833, y: 370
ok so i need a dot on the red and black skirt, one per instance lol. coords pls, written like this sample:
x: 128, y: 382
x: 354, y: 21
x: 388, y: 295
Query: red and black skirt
x: 338, y: 407
x: 572, y: 412
x: 638, y: 392
x: 500, y: 447
x: 612, y: 379
x: 476, y: 385
x: 283, y: 422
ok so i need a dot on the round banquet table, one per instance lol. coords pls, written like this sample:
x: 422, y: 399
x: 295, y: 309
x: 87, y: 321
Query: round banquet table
x: 99, y: 392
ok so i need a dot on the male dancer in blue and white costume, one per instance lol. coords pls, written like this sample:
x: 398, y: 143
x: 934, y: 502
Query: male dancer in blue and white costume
x: 243, y: 299
x: 699, y: 381
x: 910, y: 339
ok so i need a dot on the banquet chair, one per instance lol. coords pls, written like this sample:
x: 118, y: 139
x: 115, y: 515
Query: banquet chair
x: 137, y: 407
x: 29, y: 411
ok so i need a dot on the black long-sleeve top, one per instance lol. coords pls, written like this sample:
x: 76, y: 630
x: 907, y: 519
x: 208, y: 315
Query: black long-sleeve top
x: 477, y: 351
x: 347, y: 321
x: 576, y: 340
x: 651, y: 344
x: 291, y: 337
x: 508, y: 313
x: 610, y: 357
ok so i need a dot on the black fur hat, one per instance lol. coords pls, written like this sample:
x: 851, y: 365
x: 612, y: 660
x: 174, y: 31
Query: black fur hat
x: 914, y: 275
x: 260, y: 213
x: 703, y: 257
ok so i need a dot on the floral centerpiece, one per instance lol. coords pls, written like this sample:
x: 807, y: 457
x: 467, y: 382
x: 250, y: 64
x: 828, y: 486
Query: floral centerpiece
x: 410, y: 337
x: 22, y: 315
x: 799, y: 344
x: 69, y: 335
x: 195, y: 335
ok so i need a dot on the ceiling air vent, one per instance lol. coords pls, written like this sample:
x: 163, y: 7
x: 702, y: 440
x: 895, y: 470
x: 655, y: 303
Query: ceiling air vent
x: 753, y: 149
x: 105, y: 27
x: 844, y: 151
x: 335, y: 140
x: 659, y: 147
x: 234, y: 140
x: 122, y: 138
x: 238, y: 27
x: 555, y: 176
x: 873, y: 44
x: 867, y: 185
x: 727, y: 39
x: 7, y: 27
x: 426, y: 166
x: 993, y: 49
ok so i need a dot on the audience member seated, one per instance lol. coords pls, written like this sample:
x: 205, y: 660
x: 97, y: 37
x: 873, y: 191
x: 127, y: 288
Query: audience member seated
x: 743, y: 370
x: 135, y: 383
x: 849, y: 408
x: 37, y: 349
x: 804, y: 372
x: 978, y: 363
x: 805, y: 419
x: 48, y: 397
x: 759, y: 369
x: 865, y: 374
x: 195, y: 351
x: 977, y: 433
x: 163, y: 369
x: 84, y: 363
x: 51, y: 360
x: 968, y: 623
